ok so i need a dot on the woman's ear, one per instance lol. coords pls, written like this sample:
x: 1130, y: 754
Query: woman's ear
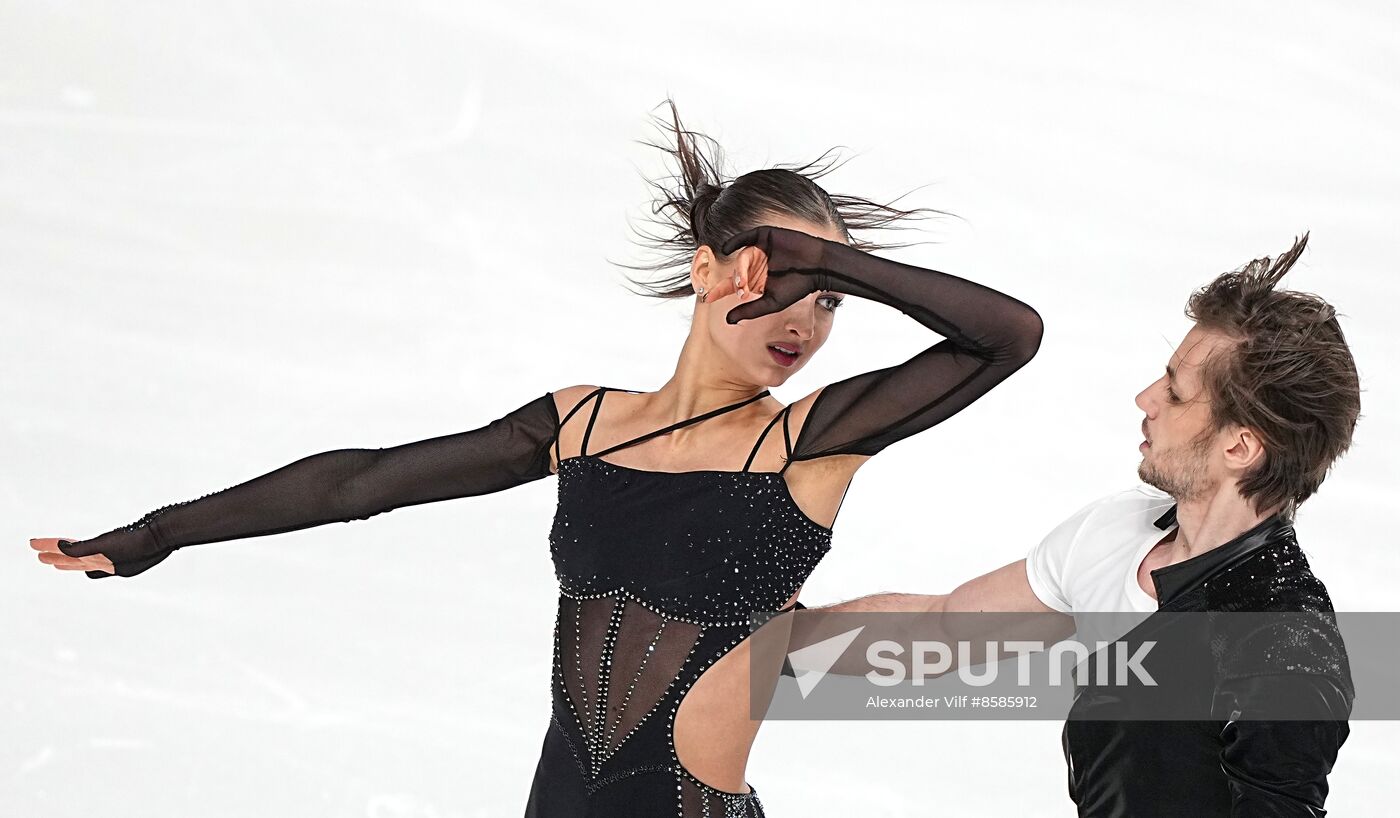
x: 702, y: 268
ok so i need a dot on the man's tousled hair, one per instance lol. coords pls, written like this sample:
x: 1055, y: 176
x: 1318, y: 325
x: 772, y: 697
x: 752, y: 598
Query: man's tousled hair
x: 1289, y: 376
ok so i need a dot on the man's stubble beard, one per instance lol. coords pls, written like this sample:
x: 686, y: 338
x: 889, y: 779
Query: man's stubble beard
x: 1181, y: 470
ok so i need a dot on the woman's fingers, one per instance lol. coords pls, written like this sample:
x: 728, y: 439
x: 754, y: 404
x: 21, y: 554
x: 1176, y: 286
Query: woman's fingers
x: 758, y: 275
x: 743, y: 271
x: 752, y: 271
x: 49, y: 554
x: 96, y: 562
x: 747, y: 276
x: 723, y: 287
x: 47, y: 543
x: 728, y: 284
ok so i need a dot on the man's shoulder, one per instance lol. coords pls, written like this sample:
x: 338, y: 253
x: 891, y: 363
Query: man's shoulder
x: 1278, y: 619
x: 1109, y: 525
x: 1128, y: 506
x: 1277, y: 616
x: 1276, y: 578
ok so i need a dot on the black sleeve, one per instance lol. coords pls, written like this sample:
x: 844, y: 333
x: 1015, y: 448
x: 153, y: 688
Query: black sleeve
x: 987, y: 336
x: 1278, y: 768
x: 340, y: 486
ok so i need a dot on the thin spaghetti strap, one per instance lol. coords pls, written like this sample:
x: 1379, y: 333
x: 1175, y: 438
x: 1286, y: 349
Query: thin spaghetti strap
x: 583, y: 448
x: 558, y: 455
x: 761, y: 436
x: 787, y: 439
x: 678, y: 424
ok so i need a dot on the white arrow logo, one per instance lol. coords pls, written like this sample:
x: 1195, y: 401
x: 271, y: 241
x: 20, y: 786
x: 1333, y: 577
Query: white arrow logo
x: 810, y: 664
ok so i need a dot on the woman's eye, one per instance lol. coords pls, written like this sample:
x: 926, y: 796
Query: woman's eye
x: 831, y: 302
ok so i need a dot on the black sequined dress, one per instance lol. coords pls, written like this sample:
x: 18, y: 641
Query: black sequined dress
x: 659, y: 573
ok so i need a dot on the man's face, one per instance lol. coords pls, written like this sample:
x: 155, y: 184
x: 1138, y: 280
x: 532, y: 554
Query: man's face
x: 1180, y: 454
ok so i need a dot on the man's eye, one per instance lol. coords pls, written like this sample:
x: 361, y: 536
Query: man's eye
x: 1171, y: 396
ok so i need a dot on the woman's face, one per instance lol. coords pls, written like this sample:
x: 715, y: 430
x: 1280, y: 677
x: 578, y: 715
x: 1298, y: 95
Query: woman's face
x: 751, y: 347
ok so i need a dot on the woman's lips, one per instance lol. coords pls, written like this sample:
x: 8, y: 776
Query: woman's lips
x: 782, y: 357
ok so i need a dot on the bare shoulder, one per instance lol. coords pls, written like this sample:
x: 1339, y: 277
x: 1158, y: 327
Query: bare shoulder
x: 567, y: 398
x: 569, y: 433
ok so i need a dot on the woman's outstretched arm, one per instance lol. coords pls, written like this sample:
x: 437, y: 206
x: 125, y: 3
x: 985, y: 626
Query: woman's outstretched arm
x: 987, y: 336
x: 340, y: 486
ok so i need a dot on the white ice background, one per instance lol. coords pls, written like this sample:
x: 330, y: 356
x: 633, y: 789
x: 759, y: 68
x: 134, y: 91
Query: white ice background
x: 235, y: 234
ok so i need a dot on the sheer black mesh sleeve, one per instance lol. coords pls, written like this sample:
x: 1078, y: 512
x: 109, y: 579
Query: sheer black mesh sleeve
x: 987, y: 336
x: 340, y: 486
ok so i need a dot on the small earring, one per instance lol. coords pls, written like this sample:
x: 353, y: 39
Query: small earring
x: 701, y: 292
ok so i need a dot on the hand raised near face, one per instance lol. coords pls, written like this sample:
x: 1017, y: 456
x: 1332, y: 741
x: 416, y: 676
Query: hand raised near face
x: 780, y: 266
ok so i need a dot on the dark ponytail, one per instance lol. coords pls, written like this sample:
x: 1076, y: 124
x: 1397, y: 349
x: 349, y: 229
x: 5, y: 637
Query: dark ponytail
x: 699, y: 206
x: 705, y: 195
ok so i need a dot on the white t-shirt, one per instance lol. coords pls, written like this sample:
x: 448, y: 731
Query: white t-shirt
x: 1090, y: 561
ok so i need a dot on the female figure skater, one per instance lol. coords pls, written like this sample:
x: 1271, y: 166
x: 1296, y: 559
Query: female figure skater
x: 670, y: 531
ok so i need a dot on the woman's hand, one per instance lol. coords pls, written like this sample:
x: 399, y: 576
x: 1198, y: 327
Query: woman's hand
x: 51, y: 555
x: 778, y: 265
x: 748, y: 278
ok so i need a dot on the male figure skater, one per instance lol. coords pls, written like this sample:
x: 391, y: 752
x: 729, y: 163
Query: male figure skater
x: 1240, y: 428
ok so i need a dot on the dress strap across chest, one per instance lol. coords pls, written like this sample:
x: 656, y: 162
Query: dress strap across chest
x: 664, y: 430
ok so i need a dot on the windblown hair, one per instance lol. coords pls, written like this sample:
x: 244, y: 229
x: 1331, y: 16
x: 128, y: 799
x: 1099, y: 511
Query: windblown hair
x: 1289, y: 376
x: 699, y: 205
